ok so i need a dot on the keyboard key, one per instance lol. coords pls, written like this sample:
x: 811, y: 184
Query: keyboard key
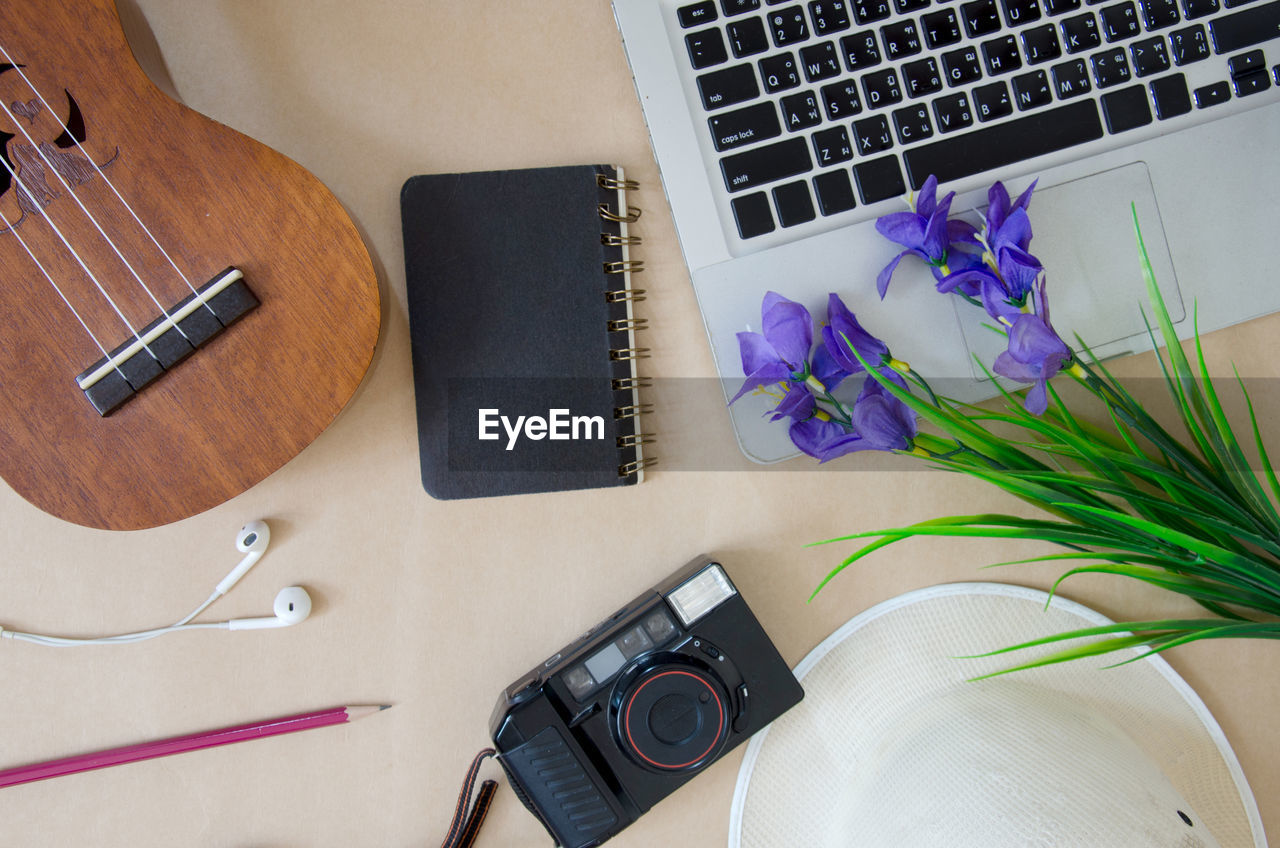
x: 1190, y: 45
x: 1119, y: 22
x: 834, y: 191
x: 906, y: 7
x: 879, y: 179
x: 1149, y: 56
x: 1037, y: 134
x: 820, y: 61
x: 788, y: 26
x: 1231, y: 4
x: 1275, y: 73
x: 1192, y: 9
x: 1158, y: 14
x: 841, y: 100
x: 900, y: 39
x: 881, y: 88
x: 1171, y: 96
x: 748, y: 125
x: 1019, y: 12
x: 872, y: 135
x: 752, y: 214
x: 729, y: 86
x: 1001, y: 55
x: 1110, y: 68
x: 697, y: 13
x: 981, y: 17
x: 940, y: 28
x: 779, y: 73
x: 1126, y: 109
x: 1212, y: 95
x: 992, y: 101
x: 921, y: 77
x: 1070, y: 79
x: 1080, y: 33
x: 794, y: 204
x: 1032, y: 90
x: 1058, y: 7
x: 1040, y: 44
x: 738, y: 7
x: 912, y: 124
x: 952, y: 112
x: 1246, y: 63
x: 746, y: 37
x: 832, y: 146
x: 706, y: 48
x: 869, y: 11
x: 1246, y: 28
x: 800, y: 111
x: 961, y: 66
x: 829, y: 16
x: 760, y: 165
x: 860, y: 51
x: 1251, y: 83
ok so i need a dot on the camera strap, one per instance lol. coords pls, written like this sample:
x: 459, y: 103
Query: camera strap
x: 468, y: 816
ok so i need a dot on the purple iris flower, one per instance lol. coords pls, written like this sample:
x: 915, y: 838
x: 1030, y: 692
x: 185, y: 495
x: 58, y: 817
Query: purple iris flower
x: 1035, y: 354
x: 880, y: 422
x: 926, y: 232
x: 843, y: 325
x: 1007, y: 223
x: 780, y: 352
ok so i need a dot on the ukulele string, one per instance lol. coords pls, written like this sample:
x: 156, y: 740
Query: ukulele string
x: 27, y: 248
x: 98, y: 170
x: 45, y: 214
x: 70, y: 191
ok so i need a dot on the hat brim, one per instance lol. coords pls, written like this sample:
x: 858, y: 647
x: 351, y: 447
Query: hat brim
x: 870, y: 672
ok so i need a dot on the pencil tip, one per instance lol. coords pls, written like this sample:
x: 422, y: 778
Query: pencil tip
x: 384, y: 707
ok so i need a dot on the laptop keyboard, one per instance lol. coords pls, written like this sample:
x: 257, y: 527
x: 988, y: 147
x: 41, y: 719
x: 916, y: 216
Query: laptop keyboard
x: 816, y: 110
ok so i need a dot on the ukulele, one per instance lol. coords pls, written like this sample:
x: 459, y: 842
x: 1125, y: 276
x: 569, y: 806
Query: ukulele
x: 182, y: 309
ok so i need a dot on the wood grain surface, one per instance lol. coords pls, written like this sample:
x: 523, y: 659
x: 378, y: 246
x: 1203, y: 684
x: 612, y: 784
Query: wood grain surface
x: 240, y: 407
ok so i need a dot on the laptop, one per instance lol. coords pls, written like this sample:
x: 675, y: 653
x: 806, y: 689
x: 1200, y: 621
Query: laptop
x: 782, y: 130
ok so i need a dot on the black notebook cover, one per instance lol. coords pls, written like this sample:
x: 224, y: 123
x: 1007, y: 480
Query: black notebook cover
x: 522, y: 332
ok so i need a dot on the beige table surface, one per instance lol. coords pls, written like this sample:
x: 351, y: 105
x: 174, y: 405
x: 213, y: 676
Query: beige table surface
x: 435, y: 606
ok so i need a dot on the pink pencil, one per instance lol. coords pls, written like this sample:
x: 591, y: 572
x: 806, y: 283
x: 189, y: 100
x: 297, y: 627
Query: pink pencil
x: 181, y: 744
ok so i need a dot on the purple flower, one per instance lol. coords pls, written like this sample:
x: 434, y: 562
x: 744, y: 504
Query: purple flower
x: 1007, y: 223
x: 926, y: 232
x: 780, y: 352
x: 842, y: 331
x: 880, y: 422
x: 1035, y: 354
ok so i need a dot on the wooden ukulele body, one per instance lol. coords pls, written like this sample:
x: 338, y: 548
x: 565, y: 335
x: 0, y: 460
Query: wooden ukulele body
x: 237, y: 408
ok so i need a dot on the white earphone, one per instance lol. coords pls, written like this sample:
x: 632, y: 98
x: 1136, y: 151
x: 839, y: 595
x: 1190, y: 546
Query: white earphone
x: 292, y: 604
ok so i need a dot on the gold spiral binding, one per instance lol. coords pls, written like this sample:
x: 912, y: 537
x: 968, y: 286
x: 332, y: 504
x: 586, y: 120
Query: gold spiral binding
x: 627, y: 266
x: 620, y: 325
x: 624, y: 295
x: 635, y: 466
x: 625, y: 353
x: 633, y: 214
x: 615, y: 240
x: 614, y: 184
x: 632, y: 410
x: 623, y: 384
x: 632, y: 440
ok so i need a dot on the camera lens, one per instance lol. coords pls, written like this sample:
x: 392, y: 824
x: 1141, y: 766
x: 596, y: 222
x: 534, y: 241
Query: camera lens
x: 674, y: 717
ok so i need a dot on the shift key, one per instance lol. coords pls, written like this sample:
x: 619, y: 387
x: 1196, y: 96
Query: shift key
x: 766, y: 164
x: 1245, y: 28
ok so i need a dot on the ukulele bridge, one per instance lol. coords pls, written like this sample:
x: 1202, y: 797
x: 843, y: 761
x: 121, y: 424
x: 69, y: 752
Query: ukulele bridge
x: 166, y: 341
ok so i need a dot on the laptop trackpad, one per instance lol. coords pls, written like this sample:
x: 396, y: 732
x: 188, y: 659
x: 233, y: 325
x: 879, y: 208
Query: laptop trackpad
x: 1083, y: 235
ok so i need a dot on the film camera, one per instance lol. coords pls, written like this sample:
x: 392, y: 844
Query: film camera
x: 628, y: 713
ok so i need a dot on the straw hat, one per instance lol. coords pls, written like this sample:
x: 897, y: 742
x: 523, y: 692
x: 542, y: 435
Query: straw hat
x: 893, y: 747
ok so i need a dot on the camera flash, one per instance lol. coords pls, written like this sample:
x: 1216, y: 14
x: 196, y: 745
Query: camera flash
x: 701, y: 593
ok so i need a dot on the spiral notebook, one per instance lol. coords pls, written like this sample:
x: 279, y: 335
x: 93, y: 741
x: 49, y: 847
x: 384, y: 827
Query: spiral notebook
x: 523, y: 335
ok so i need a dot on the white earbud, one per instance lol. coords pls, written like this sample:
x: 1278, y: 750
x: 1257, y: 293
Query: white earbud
x: 292, y: 606
x: 252, y: 541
